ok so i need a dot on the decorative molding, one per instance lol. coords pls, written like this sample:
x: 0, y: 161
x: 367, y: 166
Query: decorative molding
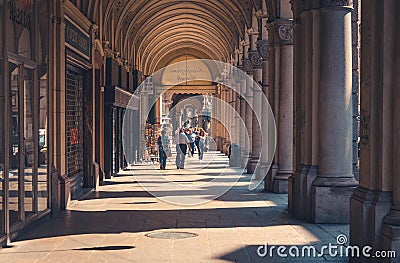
x: 255, y: 59
x: 247, y: 66
x: 261, y: 13
x: 284, y: 31
x: 262, y: 47
x: 77, y: 16
x: 335, y: 3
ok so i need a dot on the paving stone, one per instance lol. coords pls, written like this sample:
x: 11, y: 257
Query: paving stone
x: 110, y: 225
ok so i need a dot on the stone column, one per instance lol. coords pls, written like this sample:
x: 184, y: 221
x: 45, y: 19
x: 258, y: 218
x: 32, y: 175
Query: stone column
x: 255, y: 60
x: 293, y: 182
x: 144, y: 110
x: 375, y: 204
x: 237, y: 112
x: 243, y: 107
x: 232, y: 119
x: 284, y: 32
x: 355, y: 29
x: 236, y: 75
x: 314, y: 54
x: 248, y: 82
x: 307, y: 104
x: 56, y: 77
x: 335, y: 182
x: 225, y: 121
x: 270, y: 93
x: 262, y: 47
x: 220, y: 117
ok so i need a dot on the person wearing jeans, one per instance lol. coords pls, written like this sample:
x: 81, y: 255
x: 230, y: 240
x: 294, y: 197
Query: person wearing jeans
x: 162, y: 142
x: 191, y: 136
x: 182, y: 145
x: 201, y: 139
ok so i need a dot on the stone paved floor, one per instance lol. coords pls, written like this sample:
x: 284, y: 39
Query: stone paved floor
x: 110, y: 225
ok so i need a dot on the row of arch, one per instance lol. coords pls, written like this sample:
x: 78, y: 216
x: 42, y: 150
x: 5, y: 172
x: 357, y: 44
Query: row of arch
x: 148, y: 35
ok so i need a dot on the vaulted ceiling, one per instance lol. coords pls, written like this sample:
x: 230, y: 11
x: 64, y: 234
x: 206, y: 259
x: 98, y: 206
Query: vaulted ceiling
x: 149, y: 34
x: 155, y: 32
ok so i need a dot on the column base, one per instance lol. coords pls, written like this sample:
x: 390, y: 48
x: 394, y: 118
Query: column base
x: 291, y: 194
x: 300, y: 191
x: 331, y: 203
x: 391, y: 239
x: 281, y: 181
x: 244, y: 159
x: 269, y: 179
x: 307, y: 191
x: 298, y: 204
x: 235, y: 157
x: 252, y: 164
x: 367, y: 210
x: 262, y: 171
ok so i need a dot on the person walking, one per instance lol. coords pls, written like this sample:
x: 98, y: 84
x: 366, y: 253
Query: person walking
x: 201, y: 140
x: 163, y: 149
x: 191, y: 136
x: 182, y: 146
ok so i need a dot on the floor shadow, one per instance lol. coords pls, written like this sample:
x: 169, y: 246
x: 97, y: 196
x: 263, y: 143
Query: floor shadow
x: 76, y: 222
x: 116, y: 183
x: 105, y: 248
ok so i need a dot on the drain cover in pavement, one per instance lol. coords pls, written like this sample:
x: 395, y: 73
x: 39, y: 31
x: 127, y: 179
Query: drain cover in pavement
x: 171, y: 235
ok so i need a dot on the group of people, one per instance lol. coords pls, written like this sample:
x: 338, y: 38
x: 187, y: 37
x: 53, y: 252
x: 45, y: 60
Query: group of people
x: 186, y: 140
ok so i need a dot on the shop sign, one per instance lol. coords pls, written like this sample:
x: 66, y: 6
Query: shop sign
x: 20, y: 12
x: 77, y: 39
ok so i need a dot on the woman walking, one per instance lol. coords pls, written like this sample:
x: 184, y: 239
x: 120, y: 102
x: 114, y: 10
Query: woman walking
x: 201, y: 140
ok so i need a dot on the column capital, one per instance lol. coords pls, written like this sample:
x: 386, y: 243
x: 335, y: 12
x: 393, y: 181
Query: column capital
x: 252, y: 31
x: 247, y: 66
x: 244, y: 43
x: 255, y: 59
x: 262, y: 47
x: 284, y: 31
x: 335, y: 3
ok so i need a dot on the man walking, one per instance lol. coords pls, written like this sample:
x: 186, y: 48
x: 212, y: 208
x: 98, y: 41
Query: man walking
x: 181, y: 148
x: 163, y: 148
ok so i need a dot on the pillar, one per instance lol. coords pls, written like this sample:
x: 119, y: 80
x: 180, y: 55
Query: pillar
x: 262, y: 46
x: 144, y: 110
x: 255, y: 60
x: 335, y: 181
x: 375, y: 204
x: 248, y: 118
x: 284, y: 32
x: 243, y: 140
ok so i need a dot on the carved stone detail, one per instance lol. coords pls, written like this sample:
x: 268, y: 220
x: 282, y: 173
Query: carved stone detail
x: 255, y: 59
x: 262, y: 47
x: 247, y: 66
x: 333, y: 3
x: 284, y: 31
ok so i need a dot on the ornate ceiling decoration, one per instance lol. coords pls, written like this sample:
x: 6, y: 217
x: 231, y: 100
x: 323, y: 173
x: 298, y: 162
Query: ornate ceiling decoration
x: 155, y: 32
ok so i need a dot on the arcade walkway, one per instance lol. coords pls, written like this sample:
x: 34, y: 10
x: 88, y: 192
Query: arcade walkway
x: 111, y: 225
